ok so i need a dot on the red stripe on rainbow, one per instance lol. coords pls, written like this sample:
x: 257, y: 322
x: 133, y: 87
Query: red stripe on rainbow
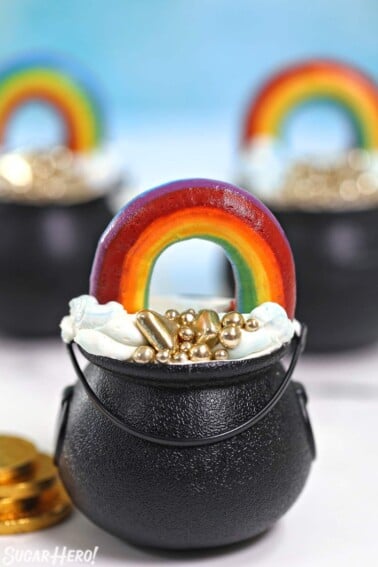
x: 195, y: 208
x: 346, y: 86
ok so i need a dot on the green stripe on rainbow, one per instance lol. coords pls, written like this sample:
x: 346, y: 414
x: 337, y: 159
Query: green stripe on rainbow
x: 60, y: 85
x: 348, y: 88
x: 195, y: 208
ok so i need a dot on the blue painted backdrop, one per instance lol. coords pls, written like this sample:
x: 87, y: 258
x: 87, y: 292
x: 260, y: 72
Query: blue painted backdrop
x: 203, y: 57
x: 176, y: 75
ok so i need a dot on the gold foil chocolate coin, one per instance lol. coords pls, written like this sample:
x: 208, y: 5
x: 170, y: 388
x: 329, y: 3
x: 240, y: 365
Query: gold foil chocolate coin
x: 43, y: 476
x: 31, y: 494
x: 17, y: 457
x: 43, y: 516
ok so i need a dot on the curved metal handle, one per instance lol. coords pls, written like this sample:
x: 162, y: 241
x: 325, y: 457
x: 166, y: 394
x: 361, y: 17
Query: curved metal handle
x: 298, y: 346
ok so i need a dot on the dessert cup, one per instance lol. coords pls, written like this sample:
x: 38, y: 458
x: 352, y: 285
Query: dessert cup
x: 182, y: 456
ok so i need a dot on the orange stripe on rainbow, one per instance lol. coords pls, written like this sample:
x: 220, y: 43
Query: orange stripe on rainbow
x: 59, y: 86
x: 346, y: 86
x: 219, y: 212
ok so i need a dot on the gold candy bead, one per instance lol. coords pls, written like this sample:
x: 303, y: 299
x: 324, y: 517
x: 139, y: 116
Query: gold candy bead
x: 185, y: 346
x: 200, y: 353
x: 162, y: 356
x: 186, y: 334
x: 172, y: 314
x: 251, y: 325
x: 144, y: 354
x: 230, y: 337
x: 179, y: 358
x: 188, y: 317
x: 232, y: 318
x: 220, y: 354
x: 207, y: 327
x: 159, y: 331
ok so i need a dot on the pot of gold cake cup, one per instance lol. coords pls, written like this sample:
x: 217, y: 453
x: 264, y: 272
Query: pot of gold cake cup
x: 54, y: 202
x: 169, y: 437
x: 328, y: 206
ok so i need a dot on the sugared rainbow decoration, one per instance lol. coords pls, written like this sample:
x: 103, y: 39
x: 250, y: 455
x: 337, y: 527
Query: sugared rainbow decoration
x: 61, y: 85
x: 342, y: 84
x: 195, y: 208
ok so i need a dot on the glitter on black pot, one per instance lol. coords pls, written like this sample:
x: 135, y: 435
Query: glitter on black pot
x: 170, y: 437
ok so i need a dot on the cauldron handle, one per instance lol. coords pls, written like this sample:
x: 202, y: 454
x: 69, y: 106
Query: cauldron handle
x: 298, y: 343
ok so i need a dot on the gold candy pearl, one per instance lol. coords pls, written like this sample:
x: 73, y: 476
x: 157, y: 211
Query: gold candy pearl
x: 188, y: 317
x: 251, y: 325
x: 232, y: 318
x: 185, y: 346
x: 179, y: 358
x: 220, y: 354
x: 144, y: 354
x: 230, y: 337
x: 172, y: 314
x: 200, y: 353
x: 162, y: 356
x: 186, y: 334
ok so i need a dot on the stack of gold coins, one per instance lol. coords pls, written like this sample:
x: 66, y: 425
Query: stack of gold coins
x: 31, y: 494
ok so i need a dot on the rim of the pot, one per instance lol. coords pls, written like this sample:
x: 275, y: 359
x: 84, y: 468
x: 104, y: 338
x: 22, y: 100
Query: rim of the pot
x: 172, y: 375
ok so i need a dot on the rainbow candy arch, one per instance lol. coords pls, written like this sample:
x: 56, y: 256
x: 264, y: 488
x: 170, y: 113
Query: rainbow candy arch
x: 61, y: 85
x: 195, y: 208
x: 342, y: 84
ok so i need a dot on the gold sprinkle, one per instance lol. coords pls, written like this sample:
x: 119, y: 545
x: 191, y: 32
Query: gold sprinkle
x: 163, y: 356
x: 220, y: 354
x: 207, y: 327
x: 188, y: 317
x: 144, y: 354
x: 251, y: 325
x: 200, y: 353
x: 172, y: 314
x: 232, y: 318
x: 186, y: 334
x: 230, y: 337
x: 159, y: 331
x: 179, y: 357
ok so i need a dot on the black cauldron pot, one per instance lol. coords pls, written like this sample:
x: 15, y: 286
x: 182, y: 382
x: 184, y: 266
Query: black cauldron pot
x: 46, y: 254
x: 336, y: 258
x: 185, y: 457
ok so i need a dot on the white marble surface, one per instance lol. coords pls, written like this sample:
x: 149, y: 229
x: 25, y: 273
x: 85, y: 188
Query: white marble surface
x: 334, y: 522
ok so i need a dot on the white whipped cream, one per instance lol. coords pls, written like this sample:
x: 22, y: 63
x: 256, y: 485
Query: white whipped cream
x: 262, y: 165
x: 108, y: 330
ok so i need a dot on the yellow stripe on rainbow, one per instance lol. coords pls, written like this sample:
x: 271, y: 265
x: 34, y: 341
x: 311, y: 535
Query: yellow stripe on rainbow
x: 219, y: 212
x: 60, y: 86
x: 350, y: 89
